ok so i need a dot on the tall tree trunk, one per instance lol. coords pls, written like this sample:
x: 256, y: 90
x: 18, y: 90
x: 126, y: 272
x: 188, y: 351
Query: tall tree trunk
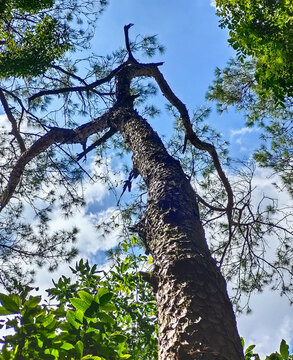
x: 195, y: 316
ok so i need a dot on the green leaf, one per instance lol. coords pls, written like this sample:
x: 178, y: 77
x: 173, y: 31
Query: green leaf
x: 70, y: 316
x: 66, y: 346
x: 119, y: 338
x: 103, y: 296
x: 4, y: 311
x: 85, y: 296
x: 33, y: 301
x: 79, y: 304
x: 94, y: 307
x: 249, y: 349
x: 109, y: 307
x: 79, y: 348
x: 50, y: 319
x: 284, y: 349
x: 79, y: 315
x: 106, y: 318
x: 10, y: 302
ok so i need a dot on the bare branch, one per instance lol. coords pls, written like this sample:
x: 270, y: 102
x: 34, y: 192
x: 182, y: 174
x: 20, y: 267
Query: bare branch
x: 54, y: 136
x: 12, y: 121
x: 127, y: 43
x: 97, y: 143
x: 78, y: 88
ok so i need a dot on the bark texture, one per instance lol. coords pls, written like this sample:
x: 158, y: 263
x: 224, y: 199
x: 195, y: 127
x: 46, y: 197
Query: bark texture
x: 196, y: 319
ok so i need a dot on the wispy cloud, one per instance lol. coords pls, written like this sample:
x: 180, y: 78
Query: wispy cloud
x: 213, y: 3
x: 242, y: 131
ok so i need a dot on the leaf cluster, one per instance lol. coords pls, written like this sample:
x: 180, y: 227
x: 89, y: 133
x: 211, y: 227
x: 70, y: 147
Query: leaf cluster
x: 283, y: 353
x: 235, y: 85
x: 98, y: 316
x: 262, y: 30
x: 35, y: 33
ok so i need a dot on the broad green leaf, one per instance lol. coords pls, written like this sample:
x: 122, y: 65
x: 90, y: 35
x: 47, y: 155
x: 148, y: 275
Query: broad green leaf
x: 48, y: 321
x: 10, y: 302
x: 79, y: 348
x: 94, y: 307
x: 32, y: 301
x: 119, y: 338
x: 70, y: 316
x: 109, y: 307
x: 4, y: 311
x: 40, y: 342
x: 79, y: 304
x: 284, y: 349
x: 106, y: 318
x: 79, y: 316
x: 85, y: 296
x: 66, y: 346
x: 103, y: 296
x: 16, y: 298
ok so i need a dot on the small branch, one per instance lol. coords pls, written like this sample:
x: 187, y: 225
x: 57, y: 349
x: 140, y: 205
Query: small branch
x: 54, y: 136
x: 193, y: 138
x: 12, y: 121
x: 97, y: 143
x: 57, y: 67
x: 127, y: 43
x: 211, y: 207
x: 78, y: 88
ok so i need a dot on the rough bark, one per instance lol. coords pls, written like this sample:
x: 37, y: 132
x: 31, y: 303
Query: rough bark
x: 196, y: 319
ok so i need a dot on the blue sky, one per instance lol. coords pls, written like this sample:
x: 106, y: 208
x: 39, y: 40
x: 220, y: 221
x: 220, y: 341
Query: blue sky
x: 195, y: 46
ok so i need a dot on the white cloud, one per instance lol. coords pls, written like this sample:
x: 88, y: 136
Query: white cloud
x: 271, y: 321
x: 4, y: 123
x: 213, y: 3
x: 242, y: 131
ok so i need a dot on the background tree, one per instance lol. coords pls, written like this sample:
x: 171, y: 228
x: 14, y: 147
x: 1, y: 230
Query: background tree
x: 35, y: 33
x: 32, y: 35
x: 236, y: 86
x: 262, y: 30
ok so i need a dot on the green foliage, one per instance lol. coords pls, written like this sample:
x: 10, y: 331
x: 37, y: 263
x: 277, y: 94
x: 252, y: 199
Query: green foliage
x: 283, y: 353
x: 35, y: 33
x: 235, y: 85
x: 263, y: 30
x: 44, y: 43
x: 98, y: 316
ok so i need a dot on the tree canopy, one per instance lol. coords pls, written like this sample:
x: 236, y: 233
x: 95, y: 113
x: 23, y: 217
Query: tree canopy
x: 35, y: 33
x: 262, y: 30
x: 235, y: 86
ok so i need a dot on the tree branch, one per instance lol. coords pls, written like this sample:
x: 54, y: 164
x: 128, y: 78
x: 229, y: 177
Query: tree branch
x: 78, y: 88
x: 127, y: 43
x: 55, y: 135
x: 12, y: 121
x: 97, y: 143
